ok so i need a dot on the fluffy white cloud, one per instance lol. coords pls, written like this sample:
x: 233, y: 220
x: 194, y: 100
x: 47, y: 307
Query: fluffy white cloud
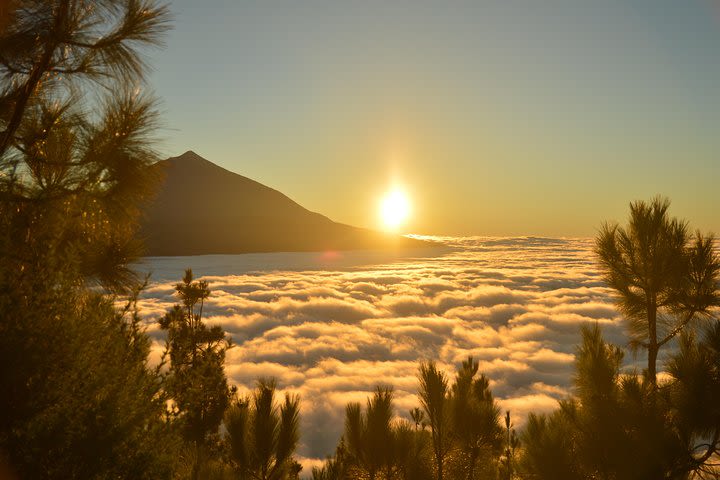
x: 333, y: 328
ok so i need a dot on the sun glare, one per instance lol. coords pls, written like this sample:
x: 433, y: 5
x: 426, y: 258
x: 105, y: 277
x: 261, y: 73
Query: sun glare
x: 394, y: 209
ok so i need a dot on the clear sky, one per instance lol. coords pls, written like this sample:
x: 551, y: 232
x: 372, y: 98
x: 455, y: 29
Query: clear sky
x: 497, y: 117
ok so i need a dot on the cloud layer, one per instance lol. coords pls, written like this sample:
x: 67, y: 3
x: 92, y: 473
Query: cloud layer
x: 332, y: 327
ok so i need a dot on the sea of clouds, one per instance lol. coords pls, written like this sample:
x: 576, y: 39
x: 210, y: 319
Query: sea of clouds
x: 332, y: 326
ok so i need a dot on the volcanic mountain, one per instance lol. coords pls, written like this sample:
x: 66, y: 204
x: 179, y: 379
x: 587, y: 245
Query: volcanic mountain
x: 202, y: 208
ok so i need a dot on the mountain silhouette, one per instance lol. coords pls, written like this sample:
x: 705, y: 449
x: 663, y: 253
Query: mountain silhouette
x: 202, y: 208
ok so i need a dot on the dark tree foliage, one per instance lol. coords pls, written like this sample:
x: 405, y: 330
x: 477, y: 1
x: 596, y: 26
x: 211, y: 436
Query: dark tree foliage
x: 476, y: 433
x: 464, y: 421
x: 666, y: 281
x: 73, y: 166
x: 628, y: 426
x: 694, y: 394
x: 78, y: 399
x: 262, y: 435
x: 455, y: 433
x: 369, y: 434
x: 512, y: 443
x: 621, y: 427
x: 434, y: 400
x: 664, y: 277
x: 196, y: 381
x: 377, y: 446
x: 335, y: 467
x: 548, y: 448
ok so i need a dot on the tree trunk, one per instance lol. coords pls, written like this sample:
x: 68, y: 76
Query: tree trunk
x: 652, y: 341
x: 196, y: 466
x: 652, y: 364
x: 437, y: 447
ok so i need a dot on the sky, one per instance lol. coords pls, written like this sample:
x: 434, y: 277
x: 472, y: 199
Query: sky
x: 333, y: 328
x: 495, y: 117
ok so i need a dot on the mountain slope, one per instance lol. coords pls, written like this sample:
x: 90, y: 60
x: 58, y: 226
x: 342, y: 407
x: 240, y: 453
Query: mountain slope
x: 202, y: 208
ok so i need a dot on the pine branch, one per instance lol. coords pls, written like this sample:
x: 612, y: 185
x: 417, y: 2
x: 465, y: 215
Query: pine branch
x: 688, y: 318
x: 28, y: 89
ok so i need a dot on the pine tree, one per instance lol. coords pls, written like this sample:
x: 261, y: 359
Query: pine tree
x: 434, y: 399
x: 377, y: 446
x: 621, y: 427
x: 262, y: 435
x: 475, y: 423
x: 78, y: 398
x: 196, y: 382
x: 664, y: 278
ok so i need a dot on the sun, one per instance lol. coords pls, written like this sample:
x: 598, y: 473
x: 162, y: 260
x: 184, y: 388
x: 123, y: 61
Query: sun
x: 394, y: 209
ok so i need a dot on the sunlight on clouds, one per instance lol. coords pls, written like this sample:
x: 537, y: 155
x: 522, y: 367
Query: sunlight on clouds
x: 332, y: 335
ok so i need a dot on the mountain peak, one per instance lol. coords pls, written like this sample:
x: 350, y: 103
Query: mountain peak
x: 189, y: 156
x: 203, y: 208
x: 192, y: 162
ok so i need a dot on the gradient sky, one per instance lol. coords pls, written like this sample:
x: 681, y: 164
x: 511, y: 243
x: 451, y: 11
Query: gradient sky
x: 498, y: 117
